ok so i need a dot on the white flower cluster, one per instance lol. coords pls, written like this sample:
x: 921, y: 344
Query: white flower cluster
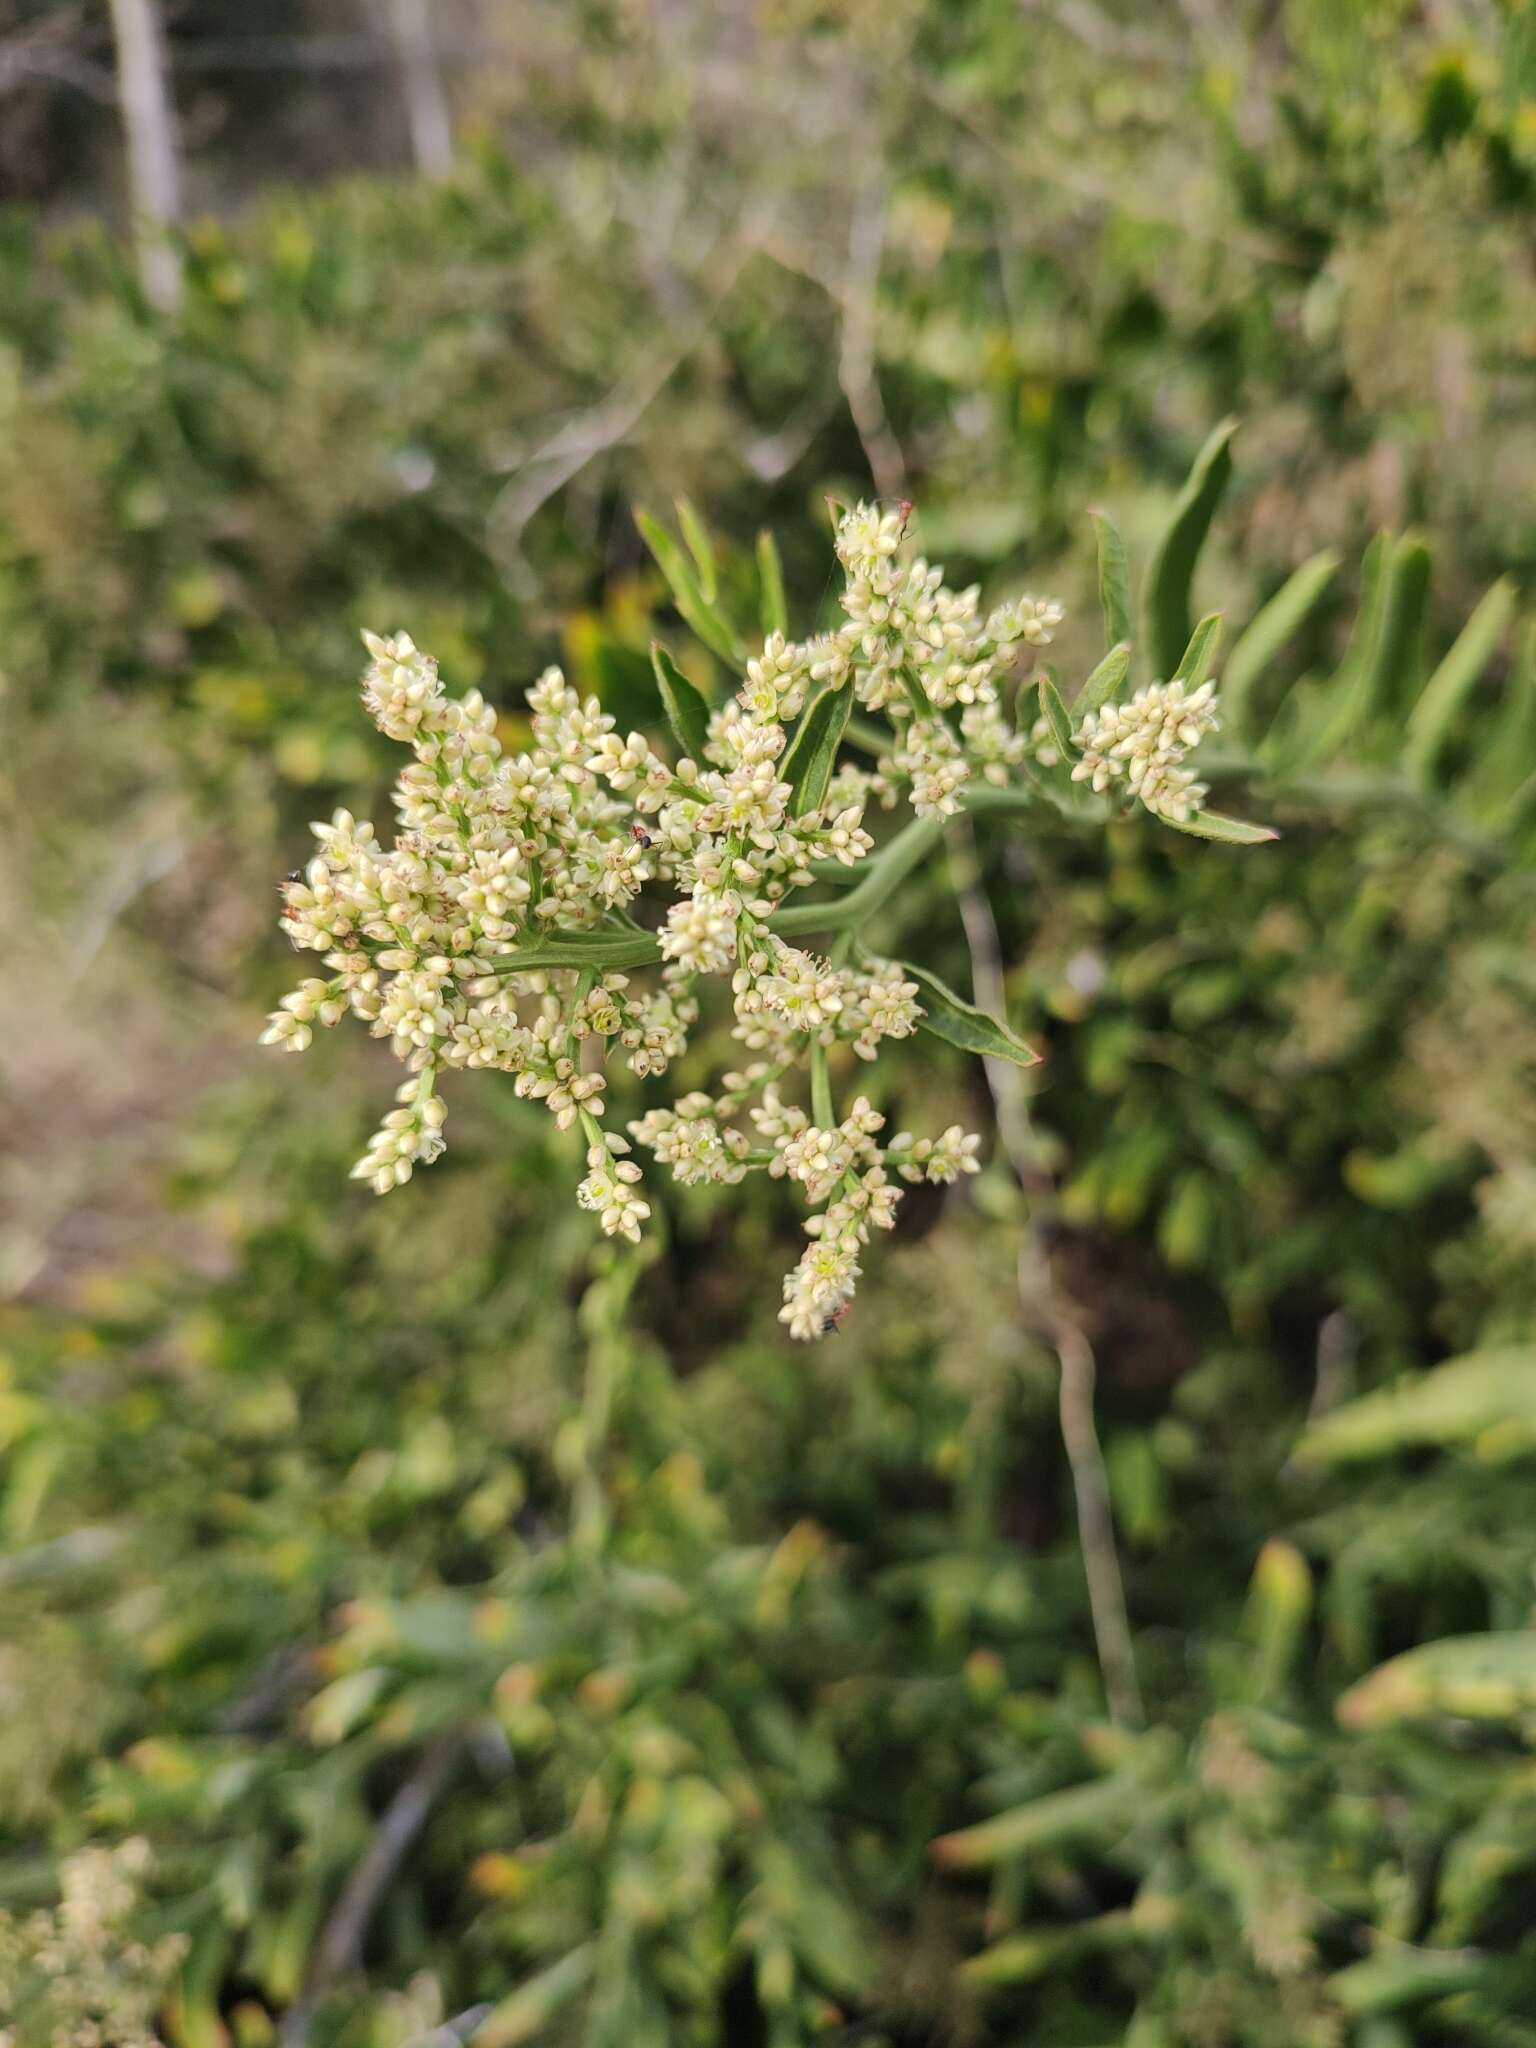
x: 1143, y: 743
x: 77, y: 1972
x: 917, y: 649
x: 502, y: 927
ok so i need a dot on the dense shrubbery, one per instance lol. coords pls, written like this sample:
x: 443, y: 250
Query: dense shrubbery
x: 646, y: 1681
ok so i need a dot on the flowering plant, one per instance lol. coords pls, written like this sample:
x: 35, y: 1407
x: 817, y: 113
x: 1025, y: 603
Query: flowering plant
x: 524, y: 893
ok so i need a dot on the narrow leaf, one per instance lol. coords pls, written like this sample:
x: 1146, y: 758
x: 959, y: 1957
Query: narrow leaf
x: 772, y: 608
x: 1501, y: 766
x: 526, y: 2015
x: 618, y: 950
x: 1098, y: 1811
x: 687, y: 712
x: 1467, y: 1678
x: 1171, y: 571
x: 1268, y: 631
x: 1395, y: 655
x: 960, y: 1023
x: 701, y: 547
x: 1457, y: 1402
x: 1114, y: 579
x: 705, y: 620
x: 1199, y: 657
x: 1103, y: 685
x: 1056, y: 717
x: 1430, y: 721
x: 1397, y: 1977
x: 807, y: 765
x: 1321, y: 716
x: 1212, y: 825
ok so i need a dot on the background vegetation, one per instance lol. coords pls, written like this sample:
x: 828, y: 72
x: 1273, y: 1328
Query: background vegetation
x: 494, y: 1637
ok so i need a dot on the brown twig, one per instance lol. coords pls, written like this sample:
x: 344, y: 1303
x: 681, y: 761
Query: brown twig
x: 856, y: 357
x: 1044, y: 1311
x: 340, y: 1946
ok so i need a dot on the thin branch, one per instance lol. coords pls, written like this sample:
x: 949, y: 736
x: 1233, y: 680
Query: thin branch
x: 149, y: 123
x: 1044, y: 1311
x: 602, y: 427
x: 856, y: 358
x: 340, y: 1946
x: 421, y: 84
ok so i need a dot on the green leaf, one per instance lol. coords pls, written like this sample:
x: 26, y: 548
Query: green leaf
x: 598, y: 950
x: 1199, y: 657
x: 701, y: 547
x: 1034, y: 1953
x: 772, y: 608
x: 1099, y: 1811
x: 960, y: 1023
x: 1501, y: 762
x: 1114, y: 579
x: 1056, y: 717
x: 526, y: 2015
x: 687, y: 712
x: 1430, y: 721
x: 1318, y: 714
x: 1398, y: 1976
x: 1103, y: 685
x: 1396, y: 652
x: 1458, y: 1402
x: 883, y: 874
x: 1284, y: 615
x: 705, y: 620
x: 1165, y: 593
x: 1212, y: 825
x: 1464, y: 1678
x: 807, y: 765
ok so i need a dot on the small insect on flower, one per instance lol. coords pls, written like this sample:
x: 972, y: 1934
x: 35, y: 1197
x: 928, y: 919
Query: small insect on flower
x: 641, y: 837
x: 833, y: 1322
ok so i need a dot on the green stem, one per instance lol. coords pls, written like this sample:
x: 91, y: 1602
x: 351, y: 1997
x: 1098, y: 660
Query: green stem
x: 884, y: 876
x: 918, y: 697
x: 823, y: 1115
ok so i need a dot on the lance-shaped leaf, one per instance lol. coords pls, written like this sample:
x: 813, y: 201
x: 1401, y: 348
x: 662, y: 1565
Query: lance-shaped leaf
x: 1199, y: 657
x: 1484, y: 1393
x: 960, y: 1023
x: 1100, y: 1811
x: 702, y: 616
x: 1429, y: 723
x: 701, y: 547
x: 1171, y: 571
x: 1035, y: 1952
x: 1212, y: 825
x: 529, y: 2012
x: 807, y: 765
x: 1104, y: 684
x: 1398, y: 1977
x: 1394, y: 659
x: 1268, y: 631
x: 597, y: 950
x: 772, y: 608
x: 687, y: 713
x: 1464, y: 1678
x: 1056, y: 717
x: 1501, y: 765
x: 1114, y: 579
x: 1382, y: 652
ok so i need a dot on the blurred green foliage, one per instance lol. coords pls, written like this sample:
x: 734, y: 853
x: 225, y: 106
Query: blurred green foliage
x: 478, y: 1623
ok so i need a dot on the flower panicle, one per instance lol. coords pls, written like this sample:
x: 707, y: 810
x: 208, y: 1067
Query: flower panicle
x: 587, y: 830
